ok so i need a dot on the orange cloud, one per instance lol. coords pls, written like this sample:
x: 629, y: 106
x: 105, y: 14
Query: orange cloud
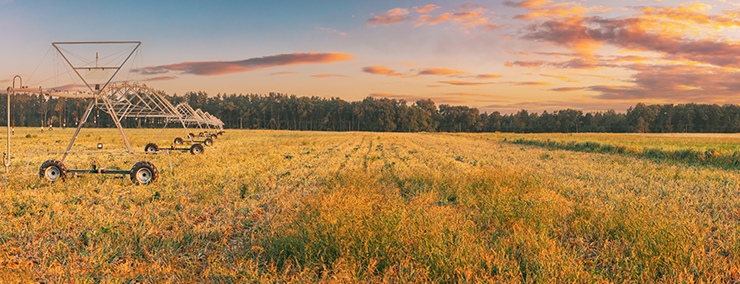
x: 564, y: 78
x: 426, y: 9
x: 535, y: 83
x: 283, y: 73
x: 464, y: 83
x: 583, y: 35
x: 228, y: 67
x: 472, y: 18
x: 566, y: 89
x: 392, y: 16
x: 461, y: 16
x: 441, y: 71
x: 679, y: 20
x: 535, y: 63
x: 542, y: 9
x: 429, y: 20
x: 677, y: 83
x: 328, y: 75
x: 161, y: 78
x: 491, y: 27
x: 488, y: 76
x: 381, y: 70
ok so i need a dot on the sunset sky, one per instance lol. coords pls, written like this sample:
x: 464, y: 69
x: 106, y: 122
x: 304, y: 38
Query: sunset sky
x: 494, y: 55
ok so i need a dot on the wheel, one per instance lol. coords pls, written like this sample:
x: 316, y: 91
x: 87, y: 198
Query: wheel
x: 178, y: 141
x: 151, y: 148
x: 208, y: 142
x: 144, y: 173
x: 191, y: 135
x: 53, y: 170
x: 214, y: 136
x: 196, y: 149
x: 201, y: 134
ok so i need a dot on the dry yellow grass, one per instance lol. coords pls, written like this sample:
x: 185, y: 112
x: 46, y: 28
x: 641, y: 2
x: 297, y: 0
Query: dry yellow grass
x: 372, y: 207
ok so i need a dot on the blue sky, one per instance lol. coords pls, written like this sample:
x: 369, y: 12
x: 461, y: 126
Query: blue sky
x: 494, y: 55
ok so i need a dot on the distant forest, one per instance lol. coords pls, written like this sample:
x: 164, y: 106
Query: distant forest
x: 290, y: 112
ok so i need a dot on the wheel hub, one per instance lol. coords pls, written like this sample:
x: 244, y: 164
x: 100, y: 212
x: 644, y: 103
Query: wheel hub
x: 52, y: 173
x: 144, y: 175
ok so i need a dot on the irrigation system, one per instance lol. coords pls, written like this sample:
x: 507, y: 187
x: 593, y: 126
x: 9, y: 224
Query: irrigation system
x: 119, y: 100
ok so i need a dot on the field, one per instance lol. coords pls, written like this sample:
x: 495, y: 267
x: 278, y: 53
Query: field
x: 282, y: 206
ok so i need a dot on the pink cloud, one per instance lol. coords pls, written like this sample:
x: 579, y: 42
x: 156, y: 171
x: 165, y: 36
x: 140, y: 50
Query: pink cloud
x: 392, y: 16
x: 426, y: 9
x: 283, y: 73
x: 381, y: 70
x: 430, y: 20
x: 488, y: 76
x: 441, y: 71
x: 464, y: 83
x: 162, y: 78
x: 328, y: 75
x: 491, y: 27
x: 531, y: 83
x: 566, y: 89
x: 228, y: 67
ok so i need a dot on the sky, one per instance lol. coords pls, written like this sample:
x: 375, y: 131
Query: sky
x: 494, y: 55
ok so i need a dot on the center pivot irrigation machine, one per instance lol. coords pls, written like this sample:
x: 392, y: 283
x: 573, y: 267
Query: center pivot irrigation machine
x: 140, y: 101
x: 122, y: 100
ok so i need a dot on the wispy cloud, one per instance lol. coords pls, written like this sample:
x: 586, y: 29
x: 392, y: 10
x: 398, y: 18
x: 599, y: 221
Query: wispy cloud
x: 531, y: 83
x: 488, y: 76
x: 283, y: 73
x: 381, y: 70
x: 228, y: 67
x: 465, y: 17
x: 564, y: 78
x: 332, y: 31
x: 161, y: 78
x: 674, y: 54
x: 566, y: 89
x: 392, y: 16
x: 328, y: 75
x: 441, y: 71
x: 425, y: 9
x: 464, y: 83
x: 678, y: 83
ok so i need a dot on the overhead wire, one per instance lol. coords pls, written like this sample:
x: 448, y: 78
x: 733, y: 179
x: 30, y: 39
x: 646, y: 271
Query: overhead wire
x: 37, y: 67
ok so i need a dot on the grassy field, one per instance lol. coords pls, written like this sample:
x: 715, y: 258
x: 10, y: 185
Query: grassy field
x: 280, y: 206
x: 667, y: 141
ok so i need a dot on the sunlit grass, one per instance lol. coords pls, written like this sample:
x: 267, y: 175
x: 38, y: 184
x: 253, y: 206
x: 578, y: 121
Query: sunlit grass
x: 275, y: 206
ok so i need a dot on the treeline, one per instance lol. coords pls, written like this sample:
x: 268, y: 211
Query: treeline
x: 290, y: 112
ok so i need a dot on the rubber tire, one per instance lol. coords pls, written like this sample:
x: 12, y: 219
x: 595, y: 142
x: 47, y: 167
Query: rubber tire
x: 197, y: 149
x: 191, y: 135
x: 178, y: 141
x: 151, y: 148
x: 144, y: 173
x: 208, y: 142
x: 214, y: 136
x: 201, y: 134
x: 52, y: 165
